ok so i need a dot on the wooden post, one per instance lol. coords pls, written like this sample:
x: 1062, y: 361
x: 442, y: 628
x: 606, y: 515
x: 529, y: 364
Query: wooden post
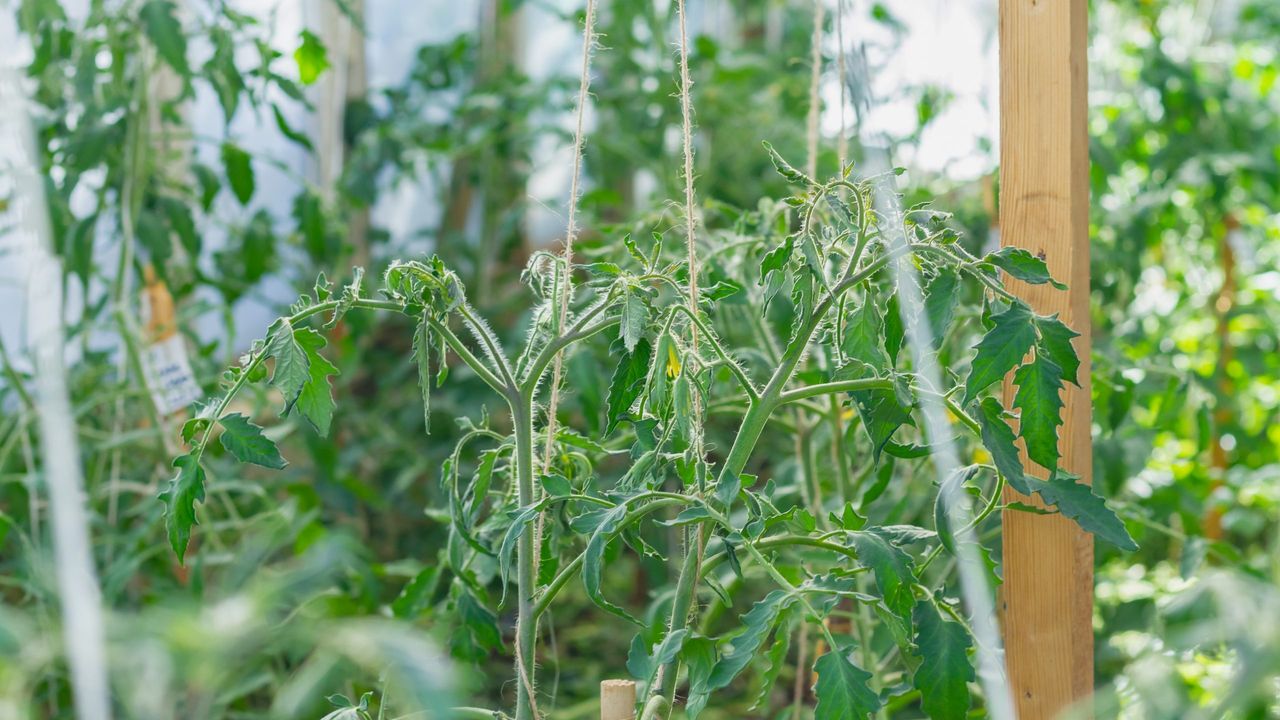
x: 1044, y: 208
x: 617, y: 700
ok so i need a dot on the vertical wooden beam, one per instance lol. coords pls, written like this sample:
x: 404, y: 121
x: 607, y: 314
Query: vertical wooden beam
x: 1044, y: 208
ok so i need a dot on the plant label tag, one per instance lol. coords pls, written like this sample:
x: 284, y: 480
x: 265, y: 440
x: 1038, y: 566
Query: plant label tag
x: 168, y: 371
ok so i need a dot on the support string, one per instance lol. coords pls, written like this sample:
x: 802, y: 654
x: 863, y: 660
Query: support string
x: 565, y: 296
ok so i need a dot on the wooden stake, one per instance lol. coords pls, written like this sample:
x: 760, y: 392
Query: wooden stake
x: 617, y: 700
x: 1044, y: 208
x: 1223, y: 306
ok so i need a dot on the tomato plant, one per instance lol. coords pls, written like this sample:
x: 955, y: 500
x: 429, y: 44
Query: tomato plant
x: 836, y: 351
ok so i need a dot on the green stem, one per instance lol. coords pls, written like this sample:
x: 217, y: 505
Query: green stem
x: 526, y: 619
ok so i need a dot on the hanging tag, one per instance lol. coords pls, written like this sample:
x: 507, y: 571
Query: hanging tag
x: 165, y: 363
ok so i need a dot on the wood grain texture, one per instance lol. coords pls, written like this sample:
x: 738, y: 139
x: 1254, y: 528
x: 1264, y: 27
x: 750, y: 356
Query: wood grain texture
x: 1047, y: 598
x: 617, y: 700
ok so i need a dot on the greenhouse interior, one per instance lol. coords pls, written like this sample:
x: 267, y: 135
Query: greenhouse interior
x: 639, y: 359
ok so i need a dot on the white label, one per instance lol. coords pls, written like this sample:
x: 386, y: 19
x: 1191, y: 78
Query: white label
x: 173, y: 385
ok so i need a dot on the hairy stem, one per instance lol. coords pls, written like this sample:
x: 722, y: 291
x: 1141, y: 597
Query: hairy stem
x: 526, y: 620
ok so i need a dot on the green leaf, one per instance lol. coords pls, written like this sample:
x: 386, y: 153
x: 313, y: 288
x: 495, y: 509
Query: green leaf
x: 627, y: 383
x: 557, y: 485
x: 757, y: 623
x: 165, y: 33
x: 185, y: 489
x: 722, y: 290
x: 940, y: 301
x: 894, y: 332
x: 287, y: 130
x: 421, y: 355
x: 593, y: 560
x: 635, y: 315
x: 842, y: 689
x: 892, y: 568
x: 699, y: 655
x: 292, y: 371
x: 1055, y: 342
x: 246, y: 442
x: 311, y: 57
x: 776, y: 655
x: 1023, y: 265
x: 180, y: 221
x: 520, y: 520
x: 479, y: 621
x: 948, y: 494
x: 1039, y: 400
x: 153, y: 236
x: 864, y: 335
x: 945, y: 671
x: 999, y: 440
x: 1078, y: 502
x: 239, y: 169
x: 1011, y: 335
x: 882, y: 414
x: 315, y: 400
x: 785, y: 168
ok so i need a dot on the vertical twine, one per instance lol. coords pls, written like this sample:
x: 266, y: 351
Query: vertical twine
x: 815, y: 79
x: 686, y: 113
x: 842, y: 143
x: 565, y: 283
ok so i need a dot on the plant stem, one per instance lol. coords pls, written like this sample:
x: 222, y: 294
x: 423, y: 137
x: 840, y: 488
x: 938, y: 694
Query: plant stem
x: 526, y: 620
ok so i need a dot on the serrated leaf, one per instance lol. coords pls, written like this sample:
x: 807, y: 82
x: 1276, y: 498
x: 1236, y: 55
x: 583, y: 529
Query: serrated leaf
x: 721, y: 290
x: 940, y: 301
x: 520, y: 520
x: 1022, y: 265
x: 777, y: 258
x: 184, y: 490
x: 239, y: 169
x: 945, y: 670
x: 421, y: 356
x: 1010, y: 338
x: 757, y: 623
x: 165, y: 33
x: 1055, y: 342
x: 479, y: 621
x: 1078, y: 502
x: 776, y: 656
x: 699, y: 655
x: 894, y: 332
x: 635, y: 315
x: 312, y: 58
x: 864, y: 335
x: 593, y: 560
x: 892, y: 568
x: 999, y: 440
x: 315, y: 400
x: 245, y: 441
x: 785, y: 168
x: 292, y: 370
x: 627, y: 383
x: 1039, y: 400
x: 881, y: 414
x: 842, y: 689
